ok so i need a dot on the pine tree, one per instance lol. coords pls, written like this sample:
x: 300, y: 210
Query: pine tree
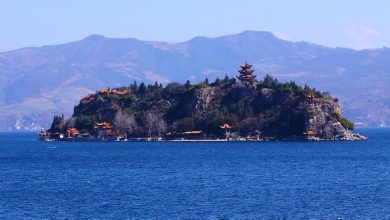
x: 134, y: 87
x: 187, y: 85
x: 142, y: 89
x: 217, y: 82
x: 226, y: 79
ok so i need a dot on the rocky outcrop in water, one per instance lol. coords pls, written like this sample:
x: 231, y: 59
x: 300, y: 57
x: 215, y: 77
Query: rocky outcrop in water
x: 257, y: 110
x: 321, y: 118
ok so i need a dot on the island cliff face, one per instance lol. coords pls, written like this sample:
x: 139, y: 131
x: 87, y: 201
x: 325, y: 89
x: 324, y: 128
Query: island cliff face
x: 224, y: 109
x: 323, y: 117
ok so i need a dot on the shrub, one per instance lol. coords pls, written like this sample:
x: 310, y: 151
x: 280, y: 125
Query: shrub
x: 347, y: 124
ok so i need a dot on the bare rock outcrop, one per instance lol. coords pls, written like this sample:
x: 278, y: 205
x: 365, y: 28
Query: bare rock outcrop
x: 321, y: 122
x: 203, y: 97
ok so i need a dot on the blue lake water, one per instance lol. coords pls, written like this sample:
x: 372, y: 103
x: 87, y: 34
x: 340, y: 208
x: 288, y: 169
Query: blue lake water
x: 270, y: 180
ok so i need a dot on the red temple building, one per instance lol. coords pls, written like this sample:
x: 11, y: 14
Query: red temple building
x: 72, y: 132
x: 103, y: 129
x: 311, y: 96
x: 246, y: 74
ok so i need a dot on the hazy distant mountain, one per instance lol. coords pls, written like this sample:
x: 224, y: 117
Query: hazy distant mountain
x: 37, y: 83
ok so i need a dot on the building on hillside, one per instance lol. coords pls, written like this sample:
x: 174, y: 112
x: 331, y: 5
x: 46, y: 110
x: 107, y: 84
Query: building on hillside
x: 311, y: 96
x: 44, y: 135
x: 72, y: 132
x: 310, y: 135
x: 88, y: 98
x: 227, y: 128
x: 113, y: 91
x: 103, y: 130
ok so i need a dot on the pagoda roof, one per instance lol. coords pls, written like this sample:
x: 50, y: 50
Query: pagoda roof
x: 226, y: 126
x: 246, y: 65
x: 103, y: 125
x: 246, y: 76
x: 310, y: 133
x: 72, y: 130
x: 246, y: 71
x: 311, y: 95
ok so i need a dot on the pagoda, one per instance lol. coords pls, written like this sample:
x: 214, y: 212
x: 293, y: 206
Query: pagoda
x: 246, y: 74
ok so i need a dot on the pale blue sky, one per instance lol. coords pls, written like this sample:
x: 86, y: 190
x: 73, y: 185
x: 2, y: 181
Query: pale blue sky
x: 346, y: 23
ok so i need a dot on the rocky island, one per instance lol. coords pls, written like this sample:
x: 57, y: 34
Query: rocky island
x: 229, y: 109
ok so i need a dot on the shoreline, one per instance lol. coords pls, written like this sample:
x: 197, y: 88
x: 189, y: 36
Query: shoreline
x: 353, y: 137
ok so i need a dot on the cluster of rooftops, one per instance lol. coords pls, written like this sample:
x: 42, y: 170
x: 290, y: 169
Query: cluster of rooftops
x: 113, y: 91
x: 105, y: 127
x: 91, y: 97
x: 70, y: 132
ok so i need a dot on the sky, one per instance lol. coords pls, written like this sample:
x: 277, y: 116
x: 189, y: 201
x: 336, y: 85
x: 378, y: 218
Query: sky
x: 354, y: 24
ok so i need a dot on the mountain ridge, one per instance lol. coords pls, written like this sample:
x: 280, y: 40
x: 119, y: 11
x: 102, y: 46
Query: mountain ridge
x: 44, y: 80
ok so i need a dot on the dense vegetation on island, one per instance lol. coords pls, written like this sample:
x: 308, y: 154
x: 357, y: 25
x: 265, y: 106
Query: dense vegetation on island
x: 262, y: 106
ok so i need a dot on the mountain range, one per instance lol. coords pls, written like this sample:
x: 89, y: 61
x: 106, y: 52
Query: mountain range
x: 39, y: 82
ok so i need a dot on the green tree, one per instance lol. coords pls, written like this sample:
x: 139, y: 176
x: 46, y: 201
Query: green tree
x: 134, y: 87
x: 187, y: 85
x: 206, y: 81
x: 226, y: 79
x: 347, y: 124
x: 270, y: 82
x: 58, y: 124
x: 142, y: 89
x: 217, y: 82
x: 248, y: 125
